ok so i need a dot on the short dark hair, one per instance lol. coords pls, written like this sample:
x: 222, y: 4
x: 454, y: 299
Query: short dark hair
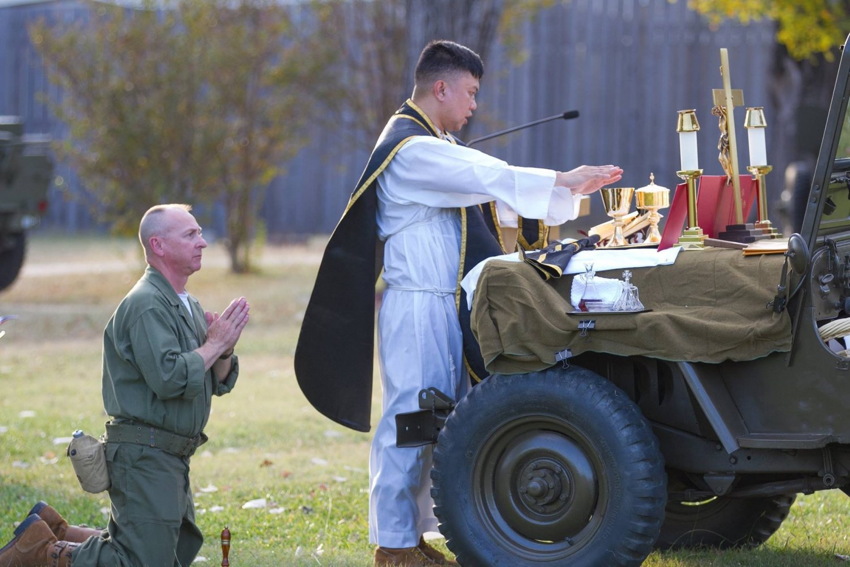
x: 441, y: 57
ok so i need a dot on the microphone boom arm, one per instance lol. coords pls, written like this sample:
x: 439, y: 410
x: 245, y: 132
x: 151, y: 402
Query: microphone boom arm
x: 568, y: 115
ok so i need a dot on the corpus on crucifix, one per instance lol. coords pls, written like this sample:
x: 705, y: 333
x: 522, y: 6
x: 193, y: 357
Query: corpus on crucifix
x: 725, y: 101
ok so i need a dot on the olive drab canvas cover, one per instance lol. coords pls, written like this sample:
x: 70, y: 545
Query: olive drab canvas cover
x: 710, y: 306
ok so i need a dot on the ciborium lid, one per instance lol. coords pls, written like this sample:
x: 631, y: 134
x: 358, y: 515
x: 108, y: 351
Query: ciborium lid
x: 652, y: 187
x: 652, y: 194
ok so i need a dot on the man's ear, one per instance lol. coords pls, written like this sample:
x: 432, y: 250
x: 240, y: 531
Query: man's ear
x: 439, y: 89
x: 156, y: 245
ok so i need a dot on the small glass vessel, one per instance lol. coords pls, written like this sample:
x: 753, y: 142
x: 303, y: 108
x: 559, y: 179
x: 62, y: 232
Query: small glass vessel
x: 629, y: 299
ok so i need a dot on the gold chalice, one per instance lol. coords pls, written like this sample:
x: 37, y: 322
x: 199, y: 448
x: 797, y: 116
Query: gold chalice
x: 617, y: 202
x: 651, y: 198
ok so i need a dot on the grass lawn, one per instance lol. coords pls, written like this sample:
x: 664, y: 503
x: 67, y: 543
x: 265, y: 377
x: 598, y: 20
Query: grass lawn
x: 290, y: 485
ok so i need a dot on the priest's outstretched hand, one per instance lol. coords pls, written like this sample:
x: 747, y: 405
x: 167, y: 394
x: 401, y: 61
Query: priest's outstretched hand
x: 587, y: 179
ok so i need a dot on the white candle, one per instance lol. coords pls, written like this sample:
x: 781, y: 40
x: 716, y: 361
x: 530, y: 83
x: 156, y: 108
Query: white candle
x: 758, y: 151
x: 688, y: 151
x: 755, y: 124
x: 687, y: 127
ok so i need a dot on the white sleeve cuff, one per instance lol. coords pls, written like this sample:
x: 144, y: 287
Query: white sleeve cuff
x: 563, y: 207
x: 508, y: 217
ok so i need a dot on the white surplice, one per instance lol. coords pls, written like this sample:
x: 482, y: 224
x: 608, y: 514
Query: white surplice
x: 419, y: 335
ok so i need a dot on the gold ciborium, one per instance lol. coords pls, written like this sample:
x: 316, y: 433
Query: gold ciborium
x: 617, y: 202
x: 651, y: 198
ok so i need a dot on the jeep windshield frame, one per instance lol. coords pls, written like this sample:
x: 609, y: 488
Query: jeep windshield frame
x: 827, y: 213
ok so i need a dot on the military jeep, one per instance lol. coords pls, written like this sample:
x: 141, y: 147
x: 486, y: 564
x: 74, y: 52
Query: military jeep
x: 26, y: 171
x: 695, y: 423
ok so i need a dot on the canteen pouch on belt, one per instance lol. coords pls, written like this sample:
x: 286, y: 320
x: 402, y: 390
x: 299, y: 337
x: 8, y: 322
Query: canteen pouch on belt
x: 88, y: 456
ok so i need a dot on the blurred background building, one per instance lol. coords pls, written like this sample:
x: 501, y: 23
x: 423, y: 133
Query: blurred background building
x: 627, y: 66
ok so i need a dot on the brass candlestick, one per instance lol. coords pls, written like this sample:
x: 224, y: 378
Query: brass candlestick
x: 763, y: 223
x: 756, y: 125
x: 617, y: 202
x: 692, y: 237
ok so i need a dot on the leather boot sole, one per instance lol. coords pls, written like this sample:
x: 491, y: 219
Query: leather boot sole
x: 31, y: 519
x: 34, y: 510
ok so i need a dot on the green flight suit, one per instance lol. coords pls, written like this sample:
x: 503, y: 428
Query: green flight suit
x: 152, y: 377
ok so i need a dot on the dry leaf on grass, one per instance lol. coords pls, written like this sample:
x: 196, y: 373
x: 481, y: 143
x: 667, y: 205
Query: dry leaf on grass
x: 255, y: 504
x: 49, y: 459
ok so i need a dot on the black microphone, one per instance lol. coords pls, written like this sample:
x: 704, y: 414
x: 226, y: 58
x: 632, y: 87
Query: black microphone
x: 568, y: 115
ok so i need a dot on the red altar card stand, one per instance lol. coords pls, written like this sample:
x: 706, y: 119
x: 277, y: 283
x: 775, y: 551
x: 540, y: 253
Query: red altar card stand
x: 715, y: 207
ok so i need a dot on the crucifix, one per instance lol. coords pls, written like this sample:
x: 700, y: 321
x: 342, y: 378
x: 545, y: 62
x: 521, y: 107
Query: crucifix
x: 725, y: 101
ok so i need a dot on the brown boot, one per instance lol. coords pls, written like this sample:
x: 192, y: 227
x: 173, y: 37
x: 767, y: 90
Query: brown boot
x: 435, y: 554
x: 403, y: 557
x: 421, y: 556
x: 60, y: 528
x: 36, y: 546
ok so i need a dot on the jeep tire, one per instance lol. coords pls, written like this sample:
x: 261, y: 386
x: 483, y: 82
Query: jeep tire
x: 555, y: 467
x: 721, y: 522
x: 11, y: 259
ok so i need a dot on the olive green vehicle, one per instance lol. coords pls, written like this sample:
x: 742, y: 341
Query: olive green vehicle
x: 602, y: 456
x: 26, y: 171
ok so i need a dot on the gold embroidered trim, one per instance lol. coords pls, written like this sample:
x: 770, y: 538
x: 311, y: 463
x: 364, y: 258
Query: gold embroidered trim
x: 495, y: 216
x: 371, y: 179
x: 542, y: 236
x: 427, y: 125
x: 462, y: 257
x: 434, y: 130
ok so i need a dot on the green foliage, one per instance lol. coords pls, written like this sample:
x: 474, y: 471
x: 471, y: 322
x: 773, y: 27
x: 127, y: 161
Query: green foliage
x: 200, y: 103
x: 805, y: 27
